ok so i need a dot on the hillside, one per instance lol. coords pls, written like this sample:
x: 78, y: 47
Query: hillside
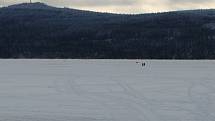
x: 40, y: 31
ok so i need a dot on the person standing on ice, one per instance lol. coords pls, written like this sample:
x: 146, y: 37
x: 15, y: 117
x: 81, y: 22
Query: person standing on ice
x: 143, y: 64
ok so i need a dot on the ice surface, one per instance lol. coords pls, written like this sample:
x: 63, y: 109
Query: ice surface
x: 107, y: 90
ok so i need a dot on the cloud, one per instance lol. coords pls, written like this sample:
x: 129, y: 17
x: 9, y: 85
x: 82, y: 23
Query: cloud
x: 190, y: 4
x: 125, y: 6
x: 190, y: 1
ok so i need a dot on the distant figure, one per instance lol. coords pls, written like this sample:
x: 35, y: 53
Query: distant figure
x: 144, y: 64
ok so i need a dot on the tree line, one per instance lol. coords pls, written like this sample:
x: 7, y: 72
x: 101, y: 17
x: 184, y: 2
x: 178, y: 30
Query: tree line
x: 46, y: 32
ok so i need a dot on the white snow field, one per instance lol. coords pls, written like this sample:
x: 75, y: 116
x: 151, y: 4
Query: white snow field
x: 107, y: 90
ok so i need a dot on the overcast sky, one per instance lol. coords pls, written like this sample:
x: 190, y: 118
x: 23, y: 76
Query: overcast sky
x: 125, y: 6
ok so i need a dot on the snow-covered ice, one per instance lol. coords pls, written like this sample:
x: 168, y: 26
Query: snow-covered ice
x: 107, y: 90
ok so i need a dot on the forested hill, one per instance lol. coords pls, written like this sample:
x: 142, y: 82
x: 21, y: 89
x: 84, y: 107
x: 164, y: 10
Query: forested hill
x: 40, y: 31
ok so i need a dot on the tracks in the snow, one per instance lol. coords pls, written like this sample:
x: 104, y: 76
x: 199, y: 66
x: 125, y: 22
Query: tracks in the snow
x: 133, y: 101
x: 199, y: 94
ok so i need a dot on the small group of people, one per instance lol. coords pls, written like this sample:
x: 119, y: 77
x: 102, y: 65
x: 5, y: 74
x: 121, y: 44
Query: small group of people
x: 142, y: 63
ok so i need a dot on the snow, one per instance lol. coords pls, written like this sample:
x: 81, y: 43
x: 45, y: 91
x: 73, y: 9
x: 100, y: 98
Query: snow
x: 107, y: 90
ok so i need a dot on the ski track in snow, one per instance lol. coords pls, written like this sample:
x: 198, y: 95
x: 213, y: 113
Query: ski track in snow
x: 107, y: 90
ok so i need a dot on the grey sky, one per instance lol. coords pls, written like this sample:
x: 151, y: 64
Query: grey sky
x: 125, y: 6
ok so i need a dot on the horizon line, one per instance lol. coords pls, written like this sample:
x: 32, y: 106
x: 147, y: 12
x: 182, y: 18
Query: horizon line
x: 75, y: 8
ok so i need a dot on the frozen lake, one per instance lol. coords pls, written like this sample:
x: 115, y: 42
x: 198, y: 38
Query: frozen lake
x: 106, y: 90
